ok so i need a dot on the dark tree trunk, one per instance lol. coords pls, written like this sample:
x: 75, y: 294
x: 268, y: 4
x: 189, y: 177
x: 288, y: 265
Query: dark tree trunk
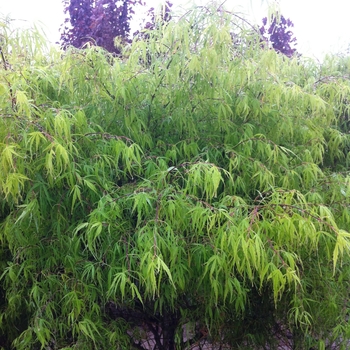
x: 169, y: 325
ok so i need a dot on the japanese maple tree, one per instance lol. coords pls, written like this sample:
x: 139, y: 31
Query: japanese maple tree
x: 279, y: 35
x: 98, y: 22
x: 192, y: 195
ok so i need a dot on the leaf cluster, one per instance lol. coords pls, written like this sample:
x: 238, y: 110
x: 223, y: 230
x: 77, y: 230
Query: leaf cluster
x: 279, y: 34
x: 97, y: 22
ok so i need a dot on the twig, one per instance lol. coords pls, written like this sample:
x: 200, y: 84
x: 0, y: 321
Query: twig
x: 3, y: 58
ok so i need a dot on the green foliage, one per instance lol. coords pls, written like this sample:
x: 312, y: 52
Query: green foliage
x: 196, y: 190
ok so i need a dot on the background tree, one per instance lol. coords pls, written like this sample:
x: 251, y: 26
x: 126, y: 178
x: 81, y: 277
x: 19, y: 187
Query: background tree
x: 98, y: 22
x: 196, y: 197
x: 101, y: 21
x: 279, y: 35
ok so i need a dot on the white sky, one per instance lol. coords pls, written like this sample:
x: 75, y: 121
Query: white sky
x: 320, y: 26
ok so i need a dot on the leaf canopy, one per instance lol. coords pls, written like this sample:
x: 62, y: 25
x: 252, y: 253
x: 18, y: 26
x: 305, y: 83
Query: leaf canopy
x: 195, y: 191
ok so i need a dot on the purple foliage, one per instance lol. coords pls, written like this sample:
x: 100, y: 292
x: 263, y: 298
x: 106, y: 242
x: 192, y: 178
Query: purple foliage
x: 97, y: 22
x: 279, y: 35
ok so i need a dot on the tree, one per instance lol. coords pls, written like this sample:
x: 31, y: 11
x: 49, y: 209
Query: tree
x: 196, y: 197
x: 98, y: 22
x: 279, y: 35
